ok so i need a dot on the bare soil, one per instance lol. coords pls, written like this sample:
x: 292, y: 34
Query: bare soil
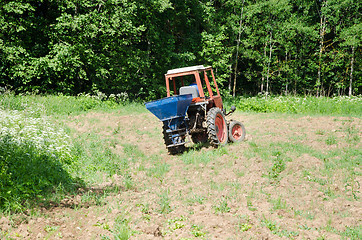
x: 212, y: 193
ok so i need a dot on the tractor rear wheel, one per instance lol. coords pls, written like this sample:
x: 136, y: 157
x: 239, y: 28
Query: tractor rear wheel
x: 168, y: 141
x: 216, y: 127
x: 236, y: 131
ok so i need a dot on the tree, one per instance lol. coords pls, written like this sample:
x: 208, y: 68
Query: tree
x: 352, y: 37
x: 267, y: 46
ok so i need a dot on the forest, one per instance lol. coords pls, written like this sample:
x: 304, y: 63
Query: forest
x: 124, y: 47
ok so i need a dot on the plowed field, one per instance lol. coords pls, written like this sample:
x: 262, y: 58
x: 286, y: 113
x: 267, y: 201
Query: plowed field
x: 294, y: 177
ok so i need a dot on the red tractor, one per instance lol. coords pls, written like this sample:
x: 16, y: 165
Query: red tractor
x: 195, y: 109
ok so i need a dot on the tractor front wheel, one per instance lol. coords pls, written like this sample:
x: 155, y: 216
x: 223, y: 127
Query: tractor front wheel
x: 216, y: 127
x: 236, y: 131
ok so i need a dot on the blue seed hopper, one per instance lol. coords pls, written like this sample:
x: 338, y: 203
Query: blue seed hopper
x: 172, y: 111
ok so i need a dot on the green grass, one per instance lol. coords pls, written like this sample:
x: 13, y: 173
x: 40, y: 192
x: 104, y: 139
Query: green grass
x: 299, y: 105
x: 277, y: 167
x: 222, y: 206
x: 68, y: 105
x: 194, y: 156
x: 95, y: 156
x: 352, y: 233
x: 282, y: 152
x: 164, y: 202
x: 279, y: 203
x: 158, y: 171
x: 121, y: 230
x: 331, y: 140
x: 277, y: 230
x: 60, y: 105
x: 196, y: 199
x: 176, y: 223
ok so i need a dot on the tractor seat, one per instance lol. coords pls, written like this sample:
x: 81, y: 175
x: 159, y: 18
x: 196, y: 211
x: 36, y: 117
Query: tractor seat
x: 189, y: 90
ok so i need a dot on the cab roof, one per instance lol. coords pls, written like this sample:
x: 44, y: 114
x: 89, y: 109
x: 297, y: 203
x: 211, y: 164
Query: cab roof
x: 187, y: 69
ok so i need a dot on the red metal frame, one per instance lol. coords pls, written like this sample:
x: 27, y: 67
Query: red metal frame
x: 212, y: 99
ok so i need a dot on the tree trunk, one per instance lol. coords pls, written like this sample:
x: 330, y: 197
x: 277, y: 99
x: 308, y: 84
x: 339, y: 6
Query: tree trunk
x: 270, y: 55
x: 237, y: 49
x: 231, y: 70
x: 322, y: 32
x: 351, y: 74
x: 295, y: 78
x: 263, y: 73
x: 287, y: 75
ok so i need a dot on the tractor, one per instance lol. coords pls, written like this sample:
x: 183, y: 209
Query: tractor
x: 194, y: 108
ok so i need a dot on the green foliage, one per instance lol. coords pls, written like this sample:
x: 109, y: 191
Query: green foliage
x: 216, y: 54
x: 176, y: 223
x: 276, y: 229
x: 222, y: 206
x: 196, y: 231
x: 244, y: 227
x: 124, y: 46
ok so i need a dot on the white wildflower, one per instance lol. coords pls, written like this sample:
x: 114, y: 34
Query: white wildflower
x: 43, y: 134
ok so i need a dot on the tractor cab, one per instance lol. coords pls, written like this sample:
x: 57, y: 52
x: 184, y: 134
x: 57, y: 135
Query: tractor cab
x: 195, y: 81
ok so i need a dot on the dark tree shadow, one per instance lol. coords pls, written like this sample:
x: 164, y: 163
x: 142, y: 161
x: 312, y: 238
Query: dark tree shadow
x: 29, y: 175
